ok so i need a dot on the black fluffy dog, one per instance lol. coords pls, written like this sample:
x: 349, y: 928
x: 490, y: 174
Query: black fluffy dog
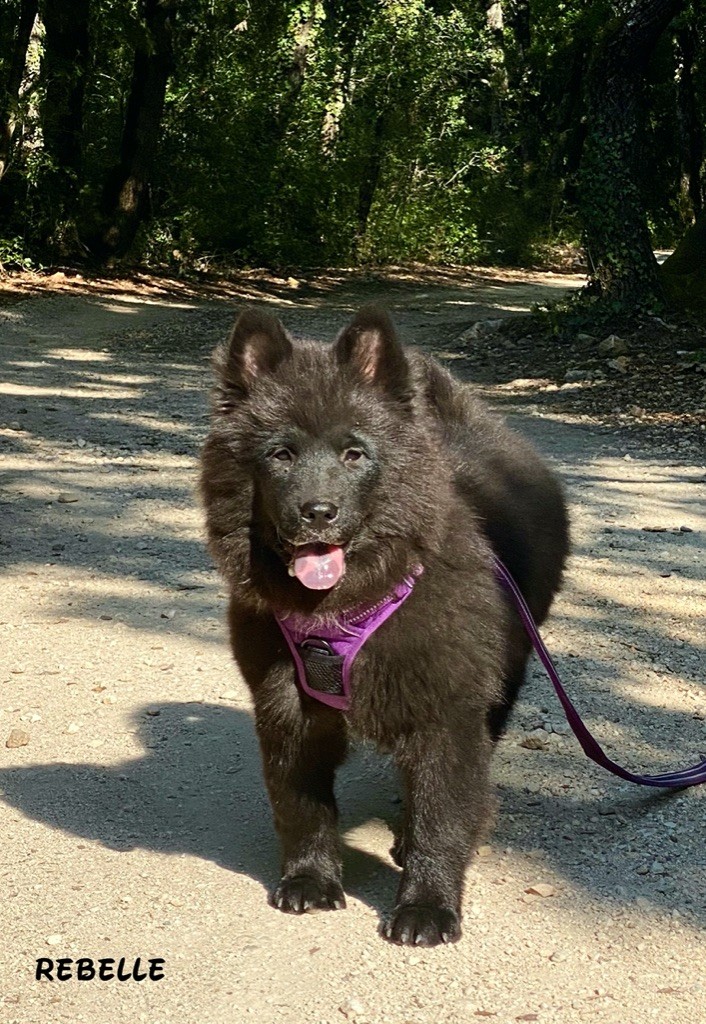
x: 330, y: 474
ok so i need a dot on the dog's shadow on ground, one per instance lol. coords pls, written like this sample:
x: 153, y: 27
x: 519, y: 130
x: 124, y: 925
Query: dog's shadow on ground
x: 197, y: 791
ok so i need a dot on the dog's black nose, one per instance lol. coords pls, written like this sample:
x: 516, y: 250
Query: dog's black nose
x: 319, y: 513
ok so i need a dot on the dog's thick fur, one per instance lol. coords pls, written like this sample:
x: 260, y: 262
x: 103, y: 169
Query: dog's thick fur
x: 433, y: 480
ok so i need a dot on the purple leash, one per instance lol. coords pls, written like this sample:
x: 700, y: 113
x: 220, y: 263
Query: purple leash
x: 668, y: 780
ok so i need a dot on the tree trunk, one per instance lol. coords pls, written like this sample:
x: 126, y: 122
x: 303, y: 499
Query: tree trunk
x: 11, y: 91
x: 518, y: 18
x: 683, y: 274
x: 372, y: 165
x: 690, y: 254
x: 64, y: 69
x: 125, y: 201
x: 691, y: 133
x: 622, y: 263
x: 498, y: 79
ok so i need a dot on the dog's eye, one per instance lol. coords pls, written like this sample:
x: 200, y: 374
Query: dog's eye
x: 282, y: 455
x: 352, y: 455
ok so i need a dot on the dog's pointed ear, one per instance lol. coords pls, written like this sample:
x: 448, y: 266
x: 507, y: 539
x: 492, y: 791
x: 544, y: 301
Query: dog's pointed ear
x: 369, y: 345
x: 257, y: 345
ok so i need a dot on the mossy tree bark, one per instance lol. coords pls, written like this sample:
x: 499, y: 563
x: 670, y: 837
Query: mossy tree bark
x: 623, y: 267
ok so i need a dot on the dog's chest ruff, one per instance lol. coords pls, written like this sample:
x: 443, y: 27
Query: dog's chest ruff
x: 324, y: 654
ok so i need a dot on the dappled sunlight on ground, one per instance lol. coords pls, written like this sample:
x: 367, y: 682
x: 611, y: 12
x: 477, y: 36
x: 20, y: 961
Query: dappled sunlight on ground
x: 80, y: 390
x: 150, y: 422
x: 77, y: 355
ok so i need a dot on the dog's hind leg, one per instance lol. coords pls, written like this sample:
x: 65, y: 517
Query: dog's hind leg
x: 518, y: 652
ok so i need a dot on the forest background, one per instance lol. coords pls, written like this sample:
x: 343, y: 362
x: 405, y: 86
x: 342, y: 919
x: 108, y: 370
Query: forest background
x: 212, y: 133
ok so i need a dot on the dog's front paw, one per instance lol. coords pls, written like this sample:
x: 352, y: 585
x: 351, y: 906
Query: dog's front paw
x: 418, y: 924
x: 305, y: 893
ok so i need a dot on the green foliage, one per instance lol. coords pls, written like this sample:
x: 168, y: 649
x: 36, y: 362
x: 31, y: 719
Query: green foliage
x: 339, y: 131
x: 13, y: 255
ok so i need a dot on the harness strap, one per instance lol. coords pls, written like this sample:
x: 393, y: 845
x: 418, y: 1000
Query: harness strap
x: 323, y: 654
x: 667, y: 780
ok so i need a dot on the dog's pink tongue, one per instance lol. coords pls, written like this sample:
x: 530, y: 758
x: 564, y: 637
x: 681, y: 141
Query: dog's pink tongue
x: 319, y: 566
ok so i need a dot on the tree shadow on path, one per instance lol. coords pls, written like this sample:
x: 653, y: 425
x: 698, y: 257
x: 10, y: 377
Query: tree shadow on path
x: 198, y: 791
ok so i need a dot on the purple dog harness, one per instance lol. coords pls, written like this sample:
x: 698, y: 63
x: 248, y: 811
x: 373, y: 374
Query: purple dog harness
x: 323, y: 656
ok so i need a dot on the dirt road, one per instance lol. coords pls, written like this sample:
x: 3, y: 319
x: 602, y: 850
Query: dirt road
x: 133, y: 819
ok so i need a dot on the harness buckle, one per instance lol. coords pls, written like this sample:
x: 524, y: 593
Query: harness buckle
x: 315, y: 645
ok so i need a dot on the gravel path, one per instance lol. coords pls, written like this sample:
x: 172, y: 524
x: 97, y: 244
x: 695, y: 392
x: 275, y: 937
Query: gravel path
x: 133, y: 816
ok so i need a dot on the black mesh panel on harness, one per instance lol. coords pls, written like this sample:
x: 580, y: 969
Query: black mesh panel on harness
x: 324, y: 669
